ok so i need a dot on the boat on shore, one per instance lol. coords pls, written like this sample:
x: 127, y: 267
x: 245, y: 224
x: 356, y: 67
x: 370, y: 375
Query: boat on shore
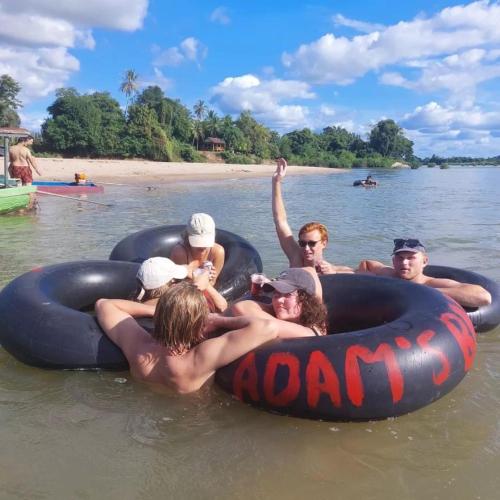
x: 13, y: 199
x: 67, y: 187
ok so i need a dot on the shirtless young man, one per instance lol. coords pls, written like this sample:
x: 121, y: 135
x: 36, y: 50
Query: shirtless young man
x: 409, y: 259
x: 22, y: 161
x: 313, y: 236
x: 176, y: 354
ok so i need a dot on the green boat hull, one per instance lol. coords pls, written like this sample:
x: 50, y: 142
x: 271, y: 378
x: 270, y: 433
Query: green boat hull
x: 15, y: 198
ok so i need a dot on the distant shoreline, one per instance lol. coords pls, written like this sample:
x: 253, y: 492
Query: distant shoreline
x: 144, y: 171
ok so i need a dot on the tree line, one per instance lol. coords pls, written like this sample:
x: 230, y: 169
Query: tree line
x: 156, y: 127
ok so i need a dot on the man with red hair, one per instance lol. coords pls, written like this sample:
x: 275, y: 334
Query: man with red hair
x: 307, y: 251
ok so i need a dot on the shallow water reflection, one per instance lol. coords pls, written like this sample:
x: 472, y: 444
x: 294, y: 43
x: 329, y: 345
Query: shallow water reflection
x: 99, y: 434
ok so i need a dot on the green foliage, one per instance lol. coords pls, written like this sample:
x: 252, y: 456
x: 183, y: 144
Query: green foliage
x: 159, y: 128
x: 187, y: 153
x: 84, y: 125
x: 387, y: 139
x: 145, y: 137
x: 238, y: 158
x: 9, y: 89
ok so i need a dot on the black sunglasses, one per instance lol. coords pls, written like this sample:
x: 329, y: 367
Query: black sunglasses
x: 310, y: 244
x: 410, y: 243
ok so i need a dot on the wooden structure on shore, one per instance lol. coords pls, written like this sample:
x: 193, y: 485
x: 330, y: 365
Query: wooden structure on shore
x: 214, y: 144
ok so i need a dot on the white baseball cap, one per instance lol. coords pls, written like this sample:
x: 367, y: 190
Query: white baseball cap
x: 201, y: 231
x: 158, y: 271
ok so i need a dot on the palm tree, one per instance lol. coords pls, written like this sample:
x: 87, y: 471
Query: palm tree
x: 198, y: 133
x: 129, y: 85
x: 199, y: 109
x: 212, y: 123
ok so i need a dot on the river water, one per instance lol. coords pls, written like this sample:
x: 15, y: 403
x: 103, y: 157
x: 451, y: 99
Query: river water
x: 75, y: 434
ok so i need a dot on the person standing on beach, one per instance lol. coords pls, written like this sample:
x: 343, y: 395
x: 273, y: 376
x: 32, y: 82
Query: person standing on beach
x: 22, y: 161
x: 176, y: 354
x: 313, y: 236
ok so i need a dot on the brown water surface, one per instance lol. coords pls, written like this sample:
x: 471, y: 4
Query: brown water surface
x: 74, y: 434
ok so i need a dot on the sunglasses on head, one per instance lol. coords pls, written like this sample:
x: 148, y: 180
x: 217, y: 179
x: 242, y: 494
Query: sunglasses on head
x: 410, y: 243
x: 310, y: 243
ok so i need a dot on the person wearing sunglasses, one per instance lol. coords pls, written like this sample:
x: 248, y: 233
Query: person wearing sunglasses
x: 313, y: 236
x: 409, y: 258
x: 296, y: 304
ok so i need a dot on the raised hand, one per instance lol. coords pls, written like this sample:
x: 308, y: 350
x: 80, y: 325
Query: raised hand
x: 280, y: 172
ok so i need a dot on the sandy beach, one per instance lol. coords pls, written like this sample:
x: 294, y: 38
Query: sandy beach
x: 143, y: 171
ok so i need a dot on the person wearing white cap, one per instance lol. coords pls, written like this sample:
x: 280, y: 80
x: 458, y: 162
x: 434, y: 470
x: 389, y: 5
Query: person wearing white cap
x: 155, y: 276
x: 409, y: 258
x: 296, y: 303
x: 199, y: 247
x: 176, y: 354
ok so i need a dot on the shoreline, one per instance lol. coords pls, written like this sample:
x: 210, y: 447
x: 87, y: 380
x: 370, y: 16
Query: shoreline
x: 144, y: 171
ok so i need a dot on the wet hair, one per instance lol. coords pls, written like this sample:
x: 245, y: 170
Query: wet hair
x: 143, y: 295
x: 313, y: 226
x: 179, y: 317
x: 313, y: 312
x: 24, y: 139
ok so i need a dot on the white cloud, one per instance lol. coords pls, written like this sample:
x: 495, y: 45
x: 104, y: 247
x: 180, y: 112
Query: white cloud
x: 449, y: 130
x: 220, y: 15
x: 266, y: 99
x: 158, y: 79
x: 32, y: 121
x: 189, y: 50
x: 342, y: 60
x: 36, y: 31
x: 459, y: 74
x: 435, y: 116
x: 37, y: 35
x: 362, y: 26
x: 113, y: 14
x: 39, y: 71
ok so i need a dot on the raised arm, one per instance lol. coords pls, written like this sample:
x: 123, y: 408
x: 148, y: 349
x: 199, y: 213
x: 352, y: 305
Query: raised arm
x: 202, y: 282
x: 465, y: 294
x: 283, y: 230
x: 249, y: 333
x: 121, y: 328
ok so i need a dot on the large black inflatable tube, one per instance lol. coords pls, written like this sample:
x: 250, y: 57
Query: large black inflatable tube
x: 393, y: 347
x: 43, y: 318
x: 242, y: 259
x: 483, y: 318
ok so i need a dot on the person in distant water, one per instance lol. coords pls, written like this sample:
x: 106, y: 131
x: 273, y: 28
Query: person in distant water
x: 313, y: 236
x: 296, y: 303
x: 198, y: 247
x: 409, y: 258
x: 176, y: 354
x: 22, y: 161
x: 369, y: 181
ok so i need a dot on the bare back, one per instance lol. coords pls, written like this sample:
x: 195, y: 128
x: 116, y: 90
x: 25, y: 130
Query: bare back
x: 20, y: 156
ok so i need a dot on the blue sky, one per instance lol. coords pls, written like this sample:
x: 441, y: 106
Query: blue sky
x: 434, y: 67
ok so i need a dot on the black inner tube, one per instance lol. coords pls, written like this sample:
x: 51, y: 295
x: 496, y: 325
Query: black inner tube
x: 483, y: 318
x: 241, y: 258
